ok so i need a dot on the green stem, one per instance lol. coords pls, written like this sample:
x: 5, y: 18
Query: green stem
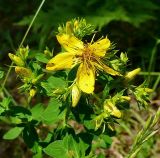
x: 156, y: 83
x: 151, y: 73
x: 9, y: 95
x: 39, y: 8
x: 152, y: 60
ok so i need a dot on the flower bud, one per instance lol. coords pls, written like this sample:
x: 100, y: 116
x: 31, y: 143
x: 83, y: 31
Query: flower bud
x: 76, y: 24
x: 127, y: 98
x: 35, y: 80
x: 17, y: 60
x: 23, y: 72
x: 48, y: 53
x: 130, y: 75
x: 98, y: 121
x: 69, y: 29
x: 76, y: 94
x: 148, y: 90
x: 24, y: 52
x: 124, y: 57
x: 112, y: 109
x: 32, y: 93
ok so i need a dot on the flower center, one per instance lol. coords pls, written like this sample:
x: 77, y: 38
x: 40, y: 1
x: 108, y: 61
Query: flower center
x: 87, y: 54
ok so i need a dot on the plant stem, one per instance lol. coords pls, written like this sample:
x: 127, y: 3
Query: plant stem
x: 151, y: 73
x: 152, y: 60
x: 9, y: 95
x: 156, y: 83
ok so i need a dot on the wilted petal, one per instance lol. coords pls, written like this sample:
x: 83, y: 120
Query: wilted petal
x: 86, y: 78
x: 100, y: 47
x: 70, y: 43
x: 62, y: 61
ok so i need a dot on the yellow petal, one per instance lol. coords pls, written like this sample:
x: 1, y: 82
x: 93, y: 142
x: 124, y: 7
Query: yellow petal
x: 86, y: 78
x: 100, y: 47
x: 70, y: 43
x: 110, y: 71
x: 62, y: 61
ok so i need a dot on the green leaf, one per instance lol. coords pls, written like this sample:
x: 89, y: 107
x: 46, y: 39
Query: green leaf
x: 37, y: 111
x: 75, y: 148
x: 71, y: 146
x: 41, y: 57
x: 30, y: 136
x: 56, y: 82
x: 13, y: 133
x: 106, y: 139
x: 53, y: 83
x: 52, y: 113
x: 5, y: 102
x: 1, y: 74
x: 56, y: 149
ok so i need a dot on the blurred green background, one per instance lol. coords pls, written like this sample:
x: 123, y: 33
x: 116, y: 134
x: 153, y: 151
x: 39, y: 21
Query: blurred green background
x: 133, y: 25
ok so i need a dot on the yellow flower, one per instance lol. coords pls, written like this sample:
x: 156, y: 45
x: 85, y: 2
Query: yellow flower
x: 88, y: 55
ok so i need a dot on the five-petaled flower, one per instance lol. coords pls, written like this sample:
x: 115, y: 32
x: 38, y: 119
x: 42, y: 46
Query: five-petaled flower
x: 89, y: 57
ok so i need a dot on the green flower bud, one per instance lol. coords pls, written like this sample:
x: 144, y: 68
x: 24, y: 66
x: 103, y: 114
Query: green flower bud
x: 124, y: 57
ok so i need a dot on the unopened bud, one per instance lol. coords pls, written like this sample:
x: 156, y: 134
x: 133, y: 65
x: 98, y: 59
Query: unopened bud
x: 32, y: 93
x: 48, y: 53
x: 58, y: 91
x: 124, y: 57
x: 76, y: 24
x: 112, y: 109
x: 24, y: 52
x: 35, y: 80
x: 17, y: 60
x: 127, y: 98
x: 130, y: 75
x: 23, y: 72
x: 68, y: 28
x: 76, y: 94
x: 148, y: 90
